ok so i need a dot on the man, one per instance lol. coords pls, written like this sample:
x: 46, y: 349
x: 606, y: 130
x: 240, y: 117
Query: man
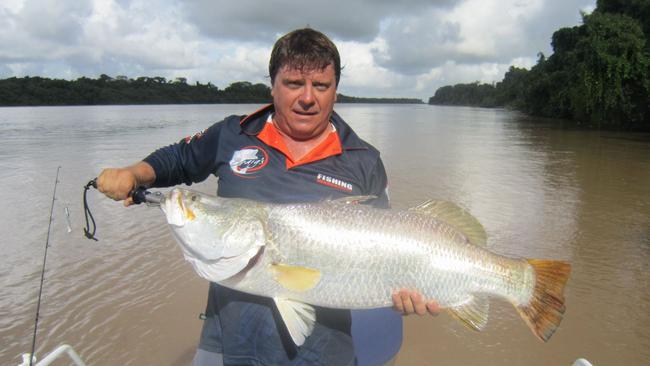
x: 297, y: 149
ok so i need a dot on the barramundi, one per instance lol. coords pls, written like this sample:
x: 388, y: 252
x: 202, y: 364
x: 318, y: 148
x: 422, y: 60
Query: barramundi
x: 341, y: 254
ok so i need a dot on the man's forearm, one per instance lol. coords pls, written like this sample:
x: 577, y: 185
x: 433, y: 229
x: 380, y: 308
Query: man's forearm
x: 143, y: 173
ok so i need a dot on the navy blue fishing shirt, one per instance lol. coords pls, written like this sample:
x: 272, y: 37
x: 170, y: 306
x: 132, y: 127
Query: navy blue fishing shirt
x: 251, y: 161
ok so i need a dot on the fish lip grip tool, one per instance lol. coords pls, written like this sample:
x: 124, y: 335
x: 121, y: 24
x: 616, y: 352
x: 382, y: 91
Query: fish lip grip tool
x: 142, y: 195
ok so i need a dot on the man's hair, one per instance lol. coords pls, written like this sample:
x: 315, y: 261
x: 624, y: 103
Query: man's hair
x: 304, y: 49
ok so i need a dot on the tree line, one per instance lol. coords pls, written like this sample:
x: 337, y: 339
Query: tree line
x: 348, y: 99
x: 598, y: 74
x: 30, y: 91
x: 122, y: 90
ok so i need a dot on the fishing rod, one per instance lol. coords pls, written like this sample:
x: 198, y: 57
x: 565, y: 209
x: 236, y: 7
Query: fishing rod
x: 47, y: 245
x: 139, y: 194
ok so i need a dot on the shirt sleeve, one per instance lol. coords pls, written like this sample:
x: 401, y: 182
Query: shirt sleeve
x: 188, y: 161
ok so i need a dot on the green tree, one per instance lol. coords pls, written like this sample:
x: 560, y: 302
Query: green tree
x: 612, y: 71
x: 473, y: 94
x: 636, y: 9
x: 510, y: 91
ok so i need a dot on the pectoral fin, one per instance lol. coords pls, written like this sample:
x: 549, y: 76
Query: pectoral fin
x: 295, y: 278
x: 474, y: 313
x: 298, y: 317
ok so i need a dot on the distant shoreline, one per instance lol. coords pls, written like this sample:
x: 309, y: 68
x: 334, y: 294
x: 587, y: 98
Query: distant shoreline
x: 41, y: 92
x: 165, y: 104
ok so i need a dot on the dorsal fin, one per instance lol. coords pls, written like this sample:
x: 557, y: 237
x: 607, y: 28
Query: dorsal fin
x: 456, y: 217
x: 353, y: 199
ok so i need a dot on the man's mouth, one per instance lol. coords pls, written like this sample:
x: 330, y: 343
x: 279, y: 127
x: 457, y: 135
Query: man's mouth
x: 305, y: 113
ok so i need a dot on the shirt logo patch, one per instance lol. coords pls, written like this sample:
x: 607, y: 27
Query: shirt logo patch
x: 248, y: 160
x: 333, y: 182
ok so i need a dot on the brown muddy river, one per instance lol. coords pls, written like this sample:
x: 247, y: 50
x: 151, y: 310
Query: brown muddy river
x: 130, y: 299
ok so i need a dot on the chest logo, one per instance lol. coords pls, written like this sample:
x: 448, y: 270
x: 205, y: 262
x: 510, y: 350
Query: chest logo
x: 248, y: 160
x: 333, y: 182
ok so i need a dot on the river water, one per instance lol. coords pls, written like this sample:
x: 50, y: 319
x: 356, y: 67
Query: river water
x: 130, y: 299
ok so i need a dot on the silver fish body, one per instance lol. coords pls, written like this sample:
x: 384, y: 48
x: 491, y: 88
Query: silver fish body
x: 366, y: 254
x: 345, y: 255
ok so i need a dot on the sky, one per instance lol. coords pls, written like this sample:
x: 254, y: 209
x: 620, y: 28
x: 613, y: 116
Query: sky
x: 389, y: 48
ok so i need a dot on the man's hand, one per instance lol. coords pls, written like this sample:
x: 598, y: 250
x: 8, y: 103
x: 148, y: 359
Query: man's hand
x: 117, y: 183
x: 408, y: 302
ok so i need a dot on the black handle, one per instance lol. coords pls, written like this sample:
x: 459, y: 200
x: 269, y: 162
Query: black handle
x: 141, y: 195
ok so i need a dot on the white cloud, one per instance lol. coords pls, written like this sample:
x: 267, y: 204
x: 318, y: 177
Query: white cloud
x: 474, y: 32
x: 263, y: 20
x: 136, y: 37
x: 402, y: 48
x: 360, y: 71
x: 246, y: 63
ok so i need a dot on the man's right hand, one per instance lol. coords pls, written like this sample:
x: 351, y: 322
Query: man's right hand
x: 117, y: 183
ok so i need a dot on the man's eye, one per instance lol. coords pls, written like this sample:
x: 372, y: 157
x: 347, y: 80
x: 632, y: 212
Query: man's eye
x: 321, y: 87
x: 293, y: 84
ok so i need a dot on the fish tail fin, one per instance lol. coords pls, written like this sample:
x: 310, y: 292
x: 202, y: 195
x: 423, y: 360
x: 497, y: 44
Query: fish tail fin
x: 544, y: 312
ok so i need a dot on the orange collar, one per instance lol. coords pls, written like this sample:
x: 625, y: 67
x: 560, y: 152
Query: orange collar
x: 329, y: 147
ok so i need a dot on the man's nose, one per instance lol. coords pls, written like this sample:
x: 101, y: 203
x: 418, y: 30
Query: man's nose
x: 307, y: 96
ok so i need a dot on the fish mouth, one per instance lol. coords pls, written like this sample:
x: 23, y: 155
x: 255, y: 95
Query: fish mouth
x: 189, y: 214
x: 178, y: 214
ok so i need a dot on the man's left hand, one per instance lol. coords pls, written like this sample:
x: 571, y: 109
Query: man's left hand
x: 408, y: 302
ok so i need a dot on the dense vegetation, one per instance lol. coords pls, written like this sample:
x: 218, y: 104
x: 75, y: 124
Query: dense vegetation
x: 347, y: 99
x: 122, y: 90
x: 598, y: 74
x: 143, y: 90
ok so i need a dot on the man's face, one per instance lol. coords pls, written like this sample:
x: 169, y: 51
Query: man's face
x: 304, y: 101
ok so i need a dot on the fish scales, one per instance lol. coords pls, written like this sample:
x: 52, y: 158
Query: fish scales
x: 364, y: 260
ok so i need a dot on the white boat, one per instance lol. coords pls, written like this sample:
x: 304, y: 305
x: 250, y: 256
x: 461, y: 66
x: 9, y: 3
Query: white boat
x: 60, y: 351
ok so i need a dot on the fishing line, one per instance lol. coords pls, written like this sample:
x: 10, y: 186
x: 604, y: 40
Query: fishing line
x: 40, y: 291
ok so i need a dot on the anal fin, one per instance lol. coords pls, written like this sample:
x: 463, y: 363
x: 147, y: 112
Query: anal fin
x: 474, y: 313
x: 298, y: 317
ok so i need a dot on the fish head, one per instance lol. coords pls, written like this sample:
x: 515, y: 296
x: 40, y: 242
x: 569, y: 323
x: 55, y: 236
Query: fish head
x: 211, y: 229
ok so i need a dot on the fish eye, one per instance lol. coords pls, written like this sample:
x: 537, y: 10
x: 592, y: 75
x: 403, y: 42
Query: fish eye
x: 193, y: 197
